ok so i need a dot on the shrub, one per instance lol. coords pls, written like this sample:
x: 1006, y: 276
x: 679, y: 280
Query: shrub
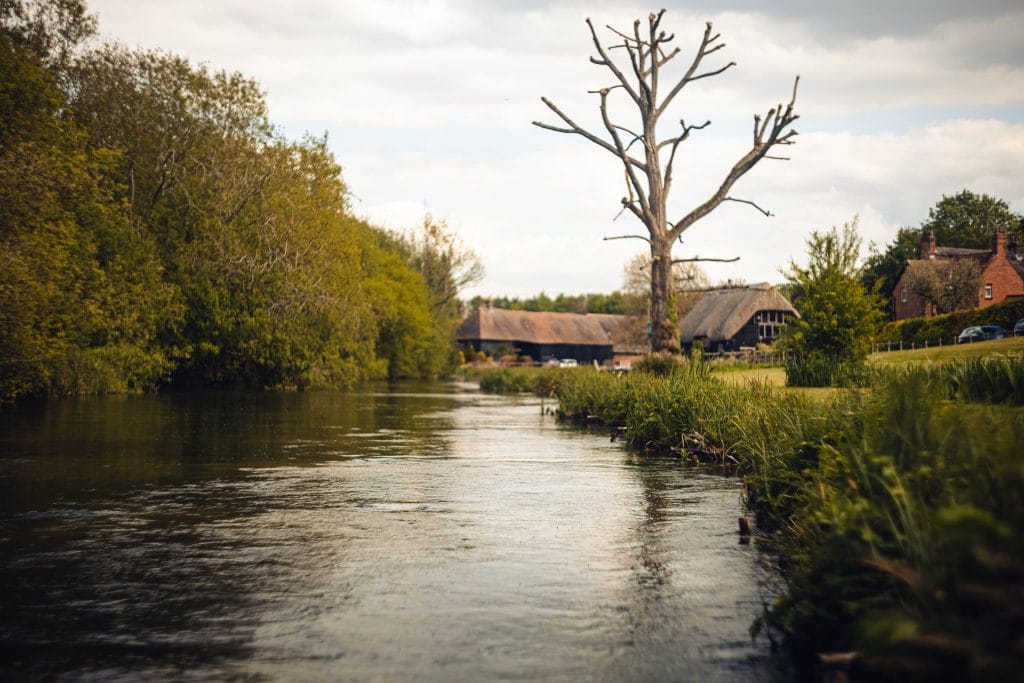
x: 919, y: 331
x: 661, y: 365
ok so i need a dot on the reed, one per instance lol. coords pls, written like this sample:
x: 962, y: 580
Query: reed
x: 895, y: 509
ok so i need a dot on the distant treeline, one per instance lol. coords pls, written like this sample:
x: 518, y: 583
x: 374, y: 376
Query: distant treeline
x: 155, y: 227
x: 616, y: 302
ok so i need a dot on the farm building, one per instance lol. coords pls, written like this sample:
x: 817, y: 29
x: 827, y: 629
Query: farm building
x: 737, y: 317
x: 540, y: 335
x: 1002, y: 274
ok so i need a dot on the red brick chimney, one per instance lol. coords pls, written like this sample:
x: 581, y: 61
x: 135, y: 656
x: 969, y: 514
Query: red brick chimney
x: 928, y: 245
x: 999, y: 241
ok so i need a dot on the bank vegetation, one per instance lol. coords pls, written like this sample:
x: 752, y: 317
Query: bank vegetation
x: 895, y: 509
x: 157, y: 228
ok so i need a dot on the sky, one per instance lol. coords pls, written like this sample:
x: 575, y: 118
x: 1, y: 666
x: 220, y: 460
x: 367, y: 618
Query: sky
x: 427, y: 105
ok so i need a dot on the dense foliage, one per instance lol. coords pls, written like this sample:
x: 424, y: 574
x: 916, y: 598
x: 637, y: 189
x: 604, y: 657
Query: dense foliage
x: 945, y: 328
x: 561, y: 303
x: 838, y: 315
x: 156, y: 227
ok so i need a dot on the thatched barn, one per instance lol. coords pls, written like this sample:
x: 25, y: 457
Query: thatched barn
x: 540, y: 335
x: 737, y: 317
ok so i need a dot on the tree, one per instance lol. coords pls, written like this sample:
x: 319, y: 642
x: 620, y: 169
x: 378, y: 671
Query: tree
x: 648, y: 173
x: 882, y: 269
x: 967, y: 220
x: 448, y: 266
x: 81, y: 295
x: 838, y: 315
x: 947, y: 285
x: 687, y: 281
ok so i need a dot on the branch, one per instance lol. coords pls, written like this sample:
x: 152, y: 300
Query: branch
x: 574, y: 128
x: 632, y: 179
x: 667, y: 182
x: 769, y: 214
x: 605, y: 60
x: 698, y: 258
x: 705, y: 49
x: 773, y: 130
x: 628, y: 237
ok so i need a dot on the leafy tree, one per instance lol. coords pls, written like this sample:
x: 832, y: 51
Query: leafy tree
x: 81, y: 297
x: 967, y: 220
x: 838, y: 315
x: 447, y: 266
x: 253, y: 229
x: 882, y: 269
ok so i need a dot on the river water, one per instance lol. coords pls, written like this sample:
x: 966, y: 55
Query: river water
x: 419, y: 532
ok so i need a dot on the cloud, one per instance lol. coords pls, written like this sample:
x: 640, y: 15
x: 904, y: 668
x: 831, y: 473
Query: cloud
x: 428, y: 104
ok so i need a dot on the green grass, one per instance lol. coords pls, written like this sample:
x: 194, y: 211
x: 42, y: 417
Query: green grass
x: 941, y: 354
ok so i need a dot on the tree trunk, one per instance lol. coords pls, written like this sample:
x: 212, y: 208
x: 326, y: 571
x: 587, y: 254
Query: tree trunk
x: 664, y: 316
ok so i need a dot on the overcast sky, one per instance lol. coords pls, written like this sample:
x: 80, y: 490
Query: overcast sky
x: 427, y: 105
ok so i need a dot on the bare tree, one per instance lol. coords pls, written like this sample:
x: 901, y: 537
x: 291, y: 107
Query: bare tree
x: 648, y: 172
x: 688, y: 279
x: 947, y: 285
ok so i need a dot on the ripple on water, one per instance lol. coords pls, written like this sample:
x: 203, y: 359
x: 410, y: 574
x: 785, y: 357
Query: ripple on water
x: 450, y: 537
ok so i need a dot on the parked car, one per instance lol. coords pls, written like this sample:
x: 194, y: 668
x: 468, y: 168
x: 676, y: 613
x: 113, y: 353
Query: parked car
x: 568, y: 363
x: 981, y: 333
x: 1018, y: 329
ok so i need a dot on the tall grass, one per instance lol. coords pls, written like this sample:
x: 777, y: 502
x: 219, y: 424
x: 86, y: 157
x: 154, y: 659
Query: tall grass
x: 904, y: 535
x: 898, y: 509
x: 819, y: 370
x: 539, y: 381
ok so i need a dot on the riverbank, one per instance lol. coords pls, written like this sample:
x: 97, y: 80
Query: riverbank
x: 896, y: 510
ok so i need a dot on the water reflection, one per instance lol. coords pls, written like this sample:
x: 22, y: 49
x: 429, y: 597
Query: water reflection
x: 425, y: 532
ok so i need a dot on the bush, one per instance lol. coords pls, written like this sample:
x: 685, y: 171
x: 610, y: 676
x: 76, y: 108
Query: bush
x: 819, y: 370
x: 660, y: 365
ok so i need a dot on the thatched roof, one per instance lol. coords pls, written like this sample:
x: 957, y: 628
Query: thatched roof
x: 721, y: 313
x: 499, y: 325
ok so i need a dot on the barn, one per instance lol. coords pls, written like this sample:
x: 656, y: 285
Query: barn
x: 736, y: 317
x: 586, y: 337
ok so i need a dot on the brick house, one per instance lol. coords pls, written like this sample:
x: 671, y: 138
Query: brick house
x: 1002, y: 274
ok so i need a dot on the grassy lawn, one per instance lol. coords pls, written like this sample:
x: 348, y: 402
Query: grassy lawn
x: 939, y: 354
x: 775, y: 377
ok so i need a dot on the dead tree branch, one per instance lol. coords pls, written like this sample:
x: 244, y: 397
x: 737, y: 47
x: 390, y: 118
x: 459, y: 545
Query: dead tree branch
x: 643, y: 51
x: 767, y: 213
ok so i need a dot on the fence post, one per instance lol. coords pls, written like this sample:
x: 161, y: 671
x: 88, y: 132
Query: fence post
x: 901, y: 344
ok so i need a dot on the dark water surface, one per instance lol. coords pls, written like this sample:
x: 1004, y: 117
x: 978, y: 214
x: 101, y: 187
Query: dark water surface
x: 414, y: 533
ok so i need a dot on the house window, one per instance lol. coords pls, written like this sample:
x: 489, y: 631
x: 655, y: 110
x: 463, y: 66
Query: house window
x: 903, y: 295
x: 769, y: 324
x: 988, y: 291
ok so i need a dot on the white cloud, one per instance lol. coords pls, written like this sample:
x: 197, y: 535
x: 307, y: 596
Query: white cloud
x: 428, y: 105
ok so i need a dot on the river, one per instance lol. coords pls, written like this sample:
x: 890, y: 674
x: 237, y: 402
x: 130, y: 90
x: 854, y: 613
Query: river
x: 416, y: 532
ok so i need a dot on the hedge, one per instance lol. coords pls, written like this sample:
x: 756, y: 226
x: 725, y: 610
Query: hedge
x: 946, y: 327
